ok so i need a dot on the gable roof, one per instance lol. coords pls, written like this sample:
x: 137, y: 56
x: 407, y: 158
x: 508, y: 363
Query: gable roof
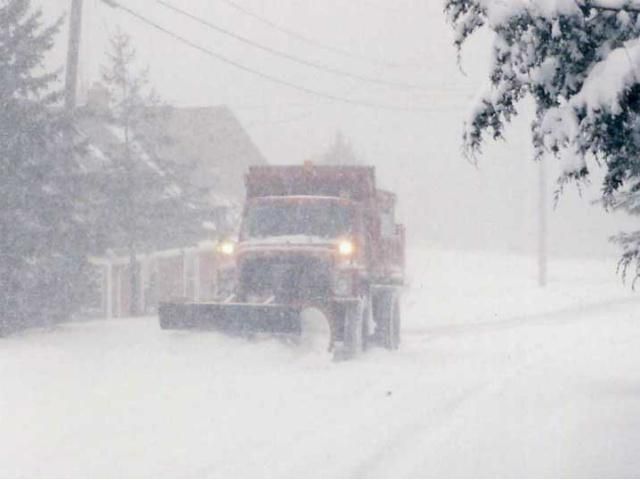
x: 212, y: 139
x: 209, y: 138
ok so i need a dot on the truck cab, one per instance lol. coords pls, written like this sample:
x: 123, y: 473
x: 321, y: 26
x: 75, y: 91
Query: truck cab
x: 300, y: 248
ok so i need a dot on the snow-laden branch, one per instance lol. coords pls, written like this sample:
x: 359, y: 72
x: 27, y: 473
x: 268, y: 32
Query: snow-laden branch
x: 608, y: 79
x: 614, y: 5
x: 603, y: 91
x: 579, y: 60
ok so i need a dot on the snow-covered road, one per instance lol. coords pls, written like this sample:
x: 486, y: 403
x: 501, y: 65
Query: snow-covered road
x: 494, y: 377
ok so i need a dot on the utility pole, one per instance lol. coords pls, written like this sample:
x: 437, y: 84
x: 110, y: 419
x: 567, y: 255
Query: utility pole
x: 73, y: 55
x: 542, y: 223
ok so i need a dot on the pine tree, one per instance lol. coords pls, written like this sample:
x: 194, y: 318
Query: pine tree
x: 579, y: 61
x: 147, y: 198
x: 340, y: 152
x: 43, y: 237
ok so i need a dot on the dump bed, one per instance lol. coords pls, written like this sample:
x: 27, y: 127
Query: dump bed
x: 355, y: 182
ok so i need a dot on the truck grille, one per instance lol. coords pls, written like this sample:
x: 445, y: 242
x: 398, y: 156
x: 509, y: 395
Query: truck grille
x: 289, y: 279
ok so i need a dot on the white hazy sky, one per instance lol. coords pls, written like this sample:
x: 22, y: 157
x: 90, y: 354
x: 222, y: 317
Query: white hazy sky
x: 409, y: 33
x: 445, y: 200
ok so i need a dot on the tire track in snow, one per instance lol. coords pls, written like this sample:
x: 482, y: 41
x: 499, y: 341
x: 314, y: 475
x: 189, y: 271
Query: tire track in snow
x: 411, y: 434
x: 441, y: 418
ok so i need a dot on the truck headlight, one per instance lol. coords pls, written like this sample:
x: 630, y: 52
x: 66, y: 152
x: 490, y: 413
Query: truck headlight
x: 346, y: 248
x: 227, y: 248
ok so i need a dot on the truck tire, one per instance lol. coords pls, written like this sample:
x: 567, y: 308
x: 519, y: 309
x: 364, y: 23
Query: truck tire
x: 387, y: 319
x: 355, y: 330
x: 396, y: 323
x: 367, y: 322
x: 166, y: 318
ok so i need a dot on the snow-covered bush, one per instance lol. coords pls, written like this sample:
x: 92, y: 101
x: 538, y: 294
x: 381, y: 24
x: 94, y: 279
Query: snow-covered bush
x: 580, y: 62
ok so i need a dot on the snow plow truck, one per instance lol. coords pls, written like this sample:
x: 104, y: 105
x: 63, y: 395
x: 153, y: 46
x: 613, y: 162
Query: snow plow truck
x: 311, y: 236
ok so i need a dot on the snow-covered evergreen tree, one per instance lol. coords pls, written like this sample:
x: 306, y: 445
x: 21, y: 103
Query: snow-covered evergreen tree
x: 580, y: 62
x: 43, y: 239
x: 341, y: 152
x: 148, y: 199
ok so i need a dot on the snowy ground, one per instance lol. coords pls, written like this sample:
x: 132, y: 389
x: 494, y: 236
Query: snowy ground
x: 495, y: 377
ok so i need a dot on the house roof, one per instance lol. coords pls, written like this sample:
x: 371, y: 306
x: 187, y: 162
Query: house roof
x: 212, y: 139
x: 209, y: 138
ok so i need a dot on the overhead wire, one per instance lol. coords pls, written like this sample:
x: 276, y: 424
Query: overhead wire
x: 290, y: 119
x: 287, y: 56
x: 308, y: 40
x: 258, y: 73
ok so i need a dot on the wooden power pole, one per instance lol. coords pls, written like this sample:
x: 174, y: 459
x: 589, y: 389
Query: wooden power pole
x: 73, y: 55
x: 542, y: 223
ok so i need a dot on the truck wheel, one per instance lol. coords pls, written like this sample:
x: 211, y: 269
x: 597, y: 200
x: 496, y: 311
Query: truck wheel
x: 388, y: 320
x: 367, y: 323
x: 395, y: 344
x: 166, y: 317
x: 354, y: 341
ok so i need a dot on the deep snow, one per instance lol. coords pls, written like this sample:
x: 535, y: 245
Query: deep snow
x: 494, y: 377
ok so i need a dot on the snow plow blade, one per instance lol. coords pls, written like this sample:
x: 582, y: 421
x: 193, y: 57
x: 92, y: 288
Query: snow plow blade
x: 233, y: 318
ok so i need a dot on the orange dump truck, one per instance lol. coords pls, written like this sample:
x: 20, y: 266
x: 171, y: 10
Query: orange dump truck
x: 311, y: 236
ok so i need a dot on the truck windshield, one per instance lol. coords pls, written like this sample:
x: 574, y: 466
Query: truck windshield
x: 325, y: 219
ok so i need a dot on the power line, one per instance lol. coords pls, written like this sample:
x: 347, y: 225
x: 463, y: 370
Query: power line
x: 310, y: 41
x: 296, y: 119
x: 266, y: 76
x: 293, y: 58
